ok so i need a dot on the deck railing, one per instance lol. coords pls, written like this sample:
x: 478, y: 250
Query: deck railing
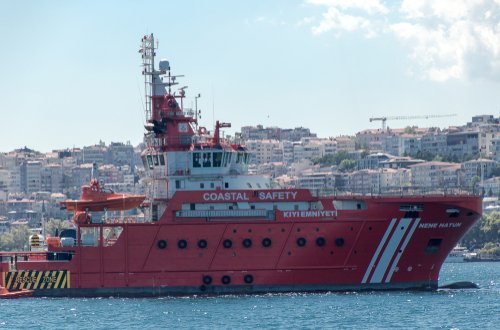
x: 397, y: 191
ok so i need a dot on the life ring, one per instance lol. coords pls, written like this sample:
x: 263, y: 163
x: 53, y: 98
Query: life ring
x: 247, y: 242
x: 266, y: 242
x: 301, y: 241
x: 227, y: 243
x: 202, y: 130
x: 162, y: 244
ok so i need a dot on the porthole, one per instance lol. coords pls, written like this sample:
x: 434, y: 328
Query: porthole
x: 247, y: 242
x: 207, y: 279
x: 225, y: 279
x: 301, y: 241
x: 227, y: 243
x: 266, y: 242
x: 320, y: 241
x: 182, y: 244
x: 162, y: 244
x: 202, y: 243
x: 248, y: 278
x: 339, y: 241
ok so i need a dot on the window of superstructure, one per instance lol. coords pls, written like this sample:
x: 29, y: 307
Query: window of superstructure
x: 150, y: 162
x: 177, y: 184
x: 217, y: 159
x: 207, y: 159
x: 155, y: 160
x: 196, y: 159
x: 202, y: 185
x: 226, y: 184
x: 162, y: 160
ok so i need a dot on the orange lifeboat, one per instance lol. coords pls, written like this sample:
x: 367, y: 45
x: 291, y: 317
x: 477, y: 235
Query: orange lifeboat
x: 96, y: 199
x: 6, y: 294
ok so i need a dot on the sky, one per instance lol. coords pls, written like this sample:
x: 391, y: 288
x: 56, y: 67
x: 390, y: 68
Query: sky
x: 70, y: 71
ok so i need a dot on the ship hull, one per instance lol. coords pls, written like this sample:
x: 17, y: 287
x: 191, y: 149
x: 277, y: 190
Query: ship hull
x: 162, y: 291
x: 381, y: 247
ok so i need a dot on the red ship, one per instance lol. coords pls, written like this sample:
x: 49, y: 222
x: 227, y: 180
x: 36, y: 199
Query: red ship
x: 209, y: 227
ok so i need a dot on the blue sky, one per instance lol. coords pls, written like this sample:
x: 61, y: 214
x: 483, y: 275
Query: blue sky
x: 70, y: 70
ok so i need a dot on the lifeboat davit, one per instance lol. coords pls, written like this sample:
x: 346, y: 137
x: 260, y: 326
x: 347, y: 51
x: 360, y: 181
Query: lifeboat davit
x: 94, y: 198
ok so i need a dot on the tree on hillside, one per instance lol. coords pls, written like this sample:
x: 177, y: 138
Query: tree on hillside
x: 15, y: 239
x: 487, y: 229
x: 347, y: 165
x: 332, y: 159
x: 53, y: 224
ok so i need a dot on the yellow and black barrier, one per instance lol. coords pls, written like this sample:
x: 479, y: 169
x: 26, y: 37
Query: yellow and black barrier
x: 36, y: 280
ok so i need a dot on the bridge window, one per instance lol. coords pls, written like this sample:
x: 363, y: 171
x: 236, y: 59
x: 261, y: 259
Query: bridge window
x: 207, y: 159
x: 196, y: 159
x: 227, y: 158
x: 150, y: 162
x: 217, y: 159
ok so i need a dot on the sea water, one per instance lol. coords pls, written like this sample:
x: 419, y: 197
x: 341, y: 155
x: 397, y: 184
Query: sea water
x: 443, y: 309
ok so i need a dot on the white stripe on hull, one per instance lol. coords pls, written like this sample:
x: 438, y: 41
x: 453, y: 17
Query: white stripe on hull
x: 379, y: 248
x: 390, y: 249
x: 403, y: 247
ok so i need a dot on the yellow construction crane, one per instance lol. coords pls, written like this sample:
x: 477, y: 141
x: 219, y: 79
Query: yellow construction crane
x: 384, y: 119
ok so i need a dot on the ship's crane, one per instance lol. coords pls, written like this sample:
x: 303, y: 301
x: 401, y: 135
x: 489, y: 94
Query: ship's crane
x: 384, y: 119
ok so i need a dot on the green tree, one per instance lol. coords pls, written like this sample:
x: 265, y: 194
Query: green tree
x: 347, y: 165
x: 410, y: 130
x: 491, y: 248
x: 486, y: 230
x: 15, y: 239
x: 340, y: 156
x: 332, y: 159
x: 474, y: 181
x: 53, y: 224
x: 438, y: 158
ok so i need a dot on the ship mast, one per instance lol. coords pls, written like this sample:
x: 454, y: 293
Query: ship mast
x: 148, y: 58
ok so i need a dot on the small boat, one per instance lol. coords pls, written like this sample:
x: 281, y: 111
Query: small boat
x: 95, y: 198
x: 6, y: 294
x: 457, y: 254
